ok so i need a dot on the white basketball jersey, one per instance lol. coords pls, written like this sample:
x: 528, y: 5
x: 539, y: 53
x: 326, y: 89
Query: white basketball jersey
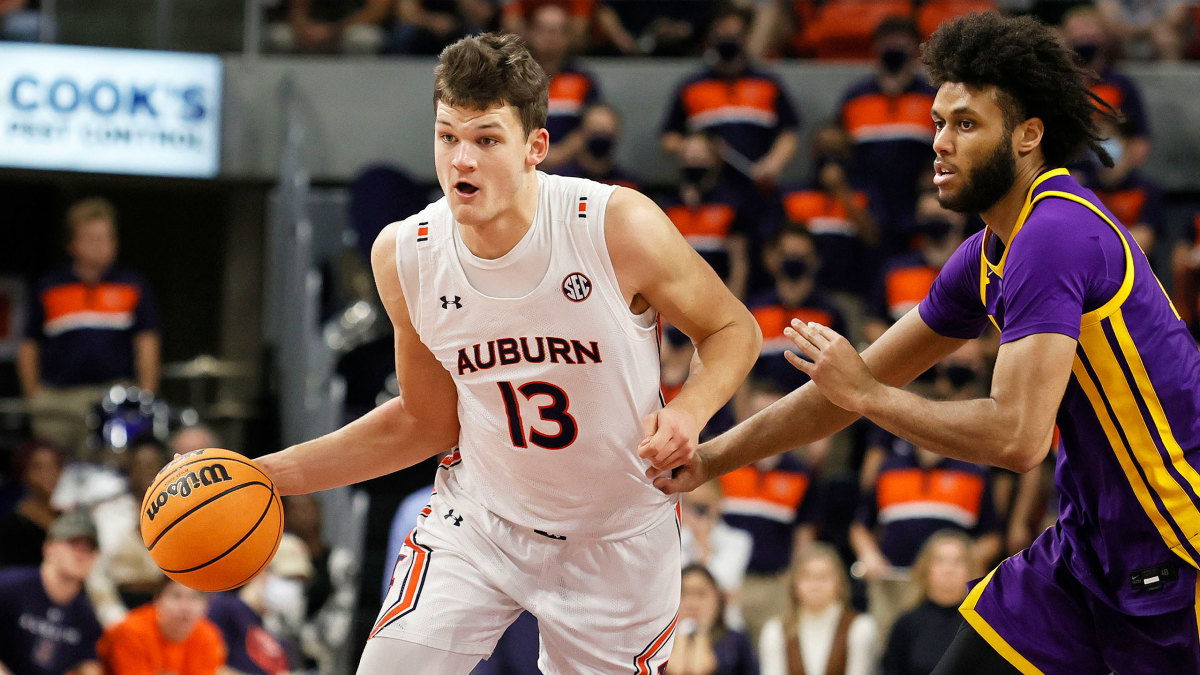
x: 553, y: 385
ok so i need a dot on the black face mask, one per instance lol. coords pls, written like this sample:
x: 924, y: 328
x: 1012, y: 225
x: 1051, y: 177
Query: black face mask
x: 1087, y: 52
x: 694, y: 174
x: 599, y: 147
x: 937, y: 229
x: 794, y: 268
x: 894, y: 60
x: 728, y: 50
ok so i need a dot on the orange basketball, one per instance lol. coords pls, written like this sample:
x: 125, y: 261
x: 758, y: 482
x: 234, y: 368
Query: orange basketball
x: 212, y: 520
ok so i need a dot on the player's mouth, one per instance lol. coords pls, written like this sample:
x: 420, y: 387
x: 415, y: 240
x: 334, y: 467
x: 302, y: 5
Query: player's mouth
x: 465, y: 190
x: 942, y: 173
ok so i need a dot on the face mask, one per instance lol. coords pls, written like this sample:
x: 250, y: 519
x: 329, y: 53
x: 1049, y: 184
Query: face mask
x: 284, y: 598
x: 794, y: 268
x: 894, y: 60
x: 599, y: 146
x: 936, y: 229
x: 1114, y: 147
x: 728, y: 50
x: 694, y: 174
x: 1087, y: 52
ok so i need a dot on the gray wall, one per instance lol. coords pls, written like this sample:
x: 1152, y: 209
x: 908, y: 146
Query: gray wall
x: 360, y: 111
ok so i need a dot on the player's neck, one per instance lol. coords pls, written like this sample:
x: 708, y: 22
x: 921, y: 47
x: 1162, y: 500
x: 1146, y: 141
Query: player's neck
x: 492, y: 239
x: 1001, y: 218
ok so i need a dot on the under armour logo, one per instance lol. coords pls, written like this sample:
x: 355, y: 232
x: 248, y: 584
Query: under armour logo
x: 457, y: 519
x: 456, y: 302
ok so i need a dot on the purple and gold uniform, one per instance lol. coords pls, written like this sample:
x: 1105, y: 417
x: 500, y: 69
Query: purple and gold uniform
x: 1112, y: 587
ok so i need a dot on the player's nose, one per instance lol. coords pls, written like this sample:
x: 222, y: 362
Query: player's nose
x: 464, y: 157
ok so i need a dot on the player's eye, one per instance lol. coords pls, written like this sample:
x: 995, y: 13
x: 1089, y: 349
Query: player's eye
x: 446, y: 138
x: 488, y: 141
x: 966, y: 125
x: 938, y: 124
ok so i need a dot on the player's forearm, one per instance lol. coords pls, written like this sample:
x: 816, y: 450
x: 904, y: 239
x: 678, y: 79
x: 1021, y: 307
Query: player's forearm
x: 387, y: 439
x: 801, y: 417
x: 978, y: 430
x: 722, y: 361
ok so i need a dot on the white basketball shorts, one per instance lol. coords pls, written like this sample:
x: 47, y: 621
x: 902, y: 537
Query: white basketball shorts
x: 464, y: 574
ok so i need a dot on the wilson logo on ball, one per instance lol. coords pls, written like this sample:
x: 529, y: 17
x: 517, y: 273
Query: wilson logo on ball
x: 192, y: 480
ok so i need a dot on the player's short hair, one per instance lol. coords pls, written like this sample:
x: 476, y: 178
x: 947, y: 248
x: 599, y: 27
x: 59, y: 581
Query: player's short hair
x: 87, y: 210
x: 1034, y: 76
x: 491, y: 69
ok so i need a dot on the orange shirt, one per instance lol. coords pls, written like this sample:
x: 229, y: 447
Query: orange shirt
x: 136, y: 646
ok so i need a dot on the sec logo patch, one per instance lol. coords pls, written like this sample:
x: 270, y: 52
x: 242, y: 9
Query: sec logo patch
x: 577, y: 287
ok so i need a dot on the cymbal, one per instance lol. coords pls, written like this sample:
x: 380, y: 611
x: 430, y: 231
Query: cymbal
x: 205, y: 365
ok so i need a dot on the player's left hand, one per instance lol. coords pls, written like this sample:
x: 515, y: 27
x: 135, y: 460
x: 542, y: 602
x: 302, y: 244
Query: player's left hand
x: 835, y: 366
x: 671, y: 439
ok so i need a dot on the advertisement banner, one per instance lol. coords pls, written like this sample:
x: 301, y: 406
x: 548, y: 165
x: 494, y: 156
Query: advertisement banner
x: 109, y: 110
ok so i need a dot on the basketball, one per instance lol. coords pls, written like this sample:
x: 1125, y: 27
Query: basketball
x: 212, y: 520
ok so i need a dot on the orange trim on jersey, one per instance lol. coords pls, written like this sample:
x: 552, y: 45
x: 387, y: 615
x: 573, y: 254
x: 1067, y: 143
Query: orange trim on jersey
x: 451, y: 459
x: 526, y: 8
x: 1126, y: 205
x: 803, y: 206
x: 779, y: 488
x: 568, y: 92
x: 412, y: 584
x: 642, y: 661
x: 750, y: 99
x: 906, y: 287
x: 875, y: 117
x: 1110, y: 93
x: 103, y: 298
x: 943, y: 486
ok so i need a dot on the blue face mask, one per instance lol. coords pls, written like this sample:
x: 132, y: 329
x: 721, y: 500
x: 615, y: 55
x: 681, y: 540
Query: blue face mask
x: 1114, y: 147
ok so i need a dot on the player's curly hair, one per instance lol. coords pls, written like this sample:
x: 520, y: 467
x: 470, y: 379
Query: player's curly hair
x: 1034, y: 74
x: 491, y: 69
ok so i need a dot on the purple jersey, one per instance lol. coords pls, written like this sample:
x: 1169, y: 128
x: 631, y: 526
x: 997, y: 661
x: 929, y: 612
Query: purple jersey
x: 1130, y: 417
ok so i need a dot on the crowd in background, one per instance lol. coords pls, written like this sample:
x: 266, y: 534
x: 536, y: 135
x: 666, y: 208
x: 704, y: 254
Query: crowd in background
x: 849, y: 555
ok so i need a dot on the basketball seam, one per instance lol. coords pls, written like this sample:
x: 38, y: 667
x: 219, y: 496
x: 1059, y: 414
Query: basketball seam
x: 278, y: 538
x: 248, y: 463
x: 231, y: 548
x: 205, y: 503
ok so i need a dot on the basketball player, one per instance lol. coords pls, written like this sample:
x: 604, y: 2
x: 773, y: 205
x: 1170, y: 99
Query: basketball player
x: 1089, y: 340
x: 524, y: 308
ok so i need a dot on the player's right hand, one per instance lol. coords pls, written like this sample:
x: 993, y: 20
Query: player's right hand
x: 688, y: 477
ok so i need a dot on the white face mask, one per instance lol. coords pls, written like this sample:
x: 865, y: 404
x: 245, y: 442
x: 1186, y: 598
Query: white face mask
x: 285, y: 599
x: 1114, y: 147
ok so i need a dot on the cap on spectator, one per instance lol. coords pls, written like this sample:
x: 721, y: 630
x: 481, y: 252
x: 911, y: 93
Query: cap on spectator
x: 291, y: 558
x: 73, y: 524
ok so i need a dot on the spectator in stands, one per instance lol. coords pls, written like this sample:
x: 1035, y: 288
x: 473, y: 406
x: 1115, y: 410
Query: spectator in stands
x: 23, y: 531
x: 427, y: 26
x: 1085, y: 31
x: 168, y: 635
x: 792, y: 260
x: 125, y: 576
x: 323, y: 26
x: 1135, y: 199
x: 704, y: 644
x: 819, y: 632
x: 837, y: 212
x: 600, y: 132
x: 710, y: 212
x: 251, y: 649
x: 916, y: 492
x: 775, y: 501
x: 887, y: 116
x: 1148, y: 29
x: 572, y: 89
x: 707, y: 540
x: 745, y: 109
x: 191, y: 438
x: 22, y: 21
x: 940, y: 575
x: 671, y: 28
x: 47, y: 626
x: 1185, y: 273
x: 904, y: 278
x: 89, y: 325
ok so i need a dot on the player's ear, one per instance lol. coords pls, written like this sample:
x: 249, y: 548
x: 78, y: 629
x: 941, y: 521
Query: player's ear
x: 539, y: 147
x: 1028, y: 135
